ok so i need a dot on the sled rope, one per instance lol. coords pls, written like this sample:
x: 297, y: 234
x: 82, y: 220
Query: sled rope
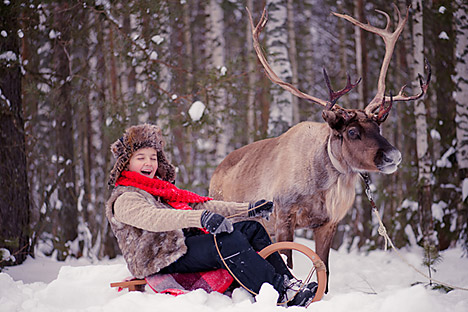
x: 243, y: 213
x: 383, y: 232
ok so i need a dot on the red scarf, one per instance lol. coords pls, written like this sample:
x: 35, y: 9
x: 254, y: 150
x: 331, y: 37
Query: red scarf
x: 172, y: 195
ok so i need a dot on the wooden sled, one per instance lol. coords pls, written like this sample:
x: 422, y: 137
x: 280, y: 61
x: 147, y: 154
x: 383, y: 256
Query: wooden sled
x: 319, y: 267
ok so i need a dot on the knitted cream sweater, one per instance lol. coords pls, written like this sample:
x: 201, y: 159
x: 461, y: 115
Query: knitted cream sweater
x: 132, y: 208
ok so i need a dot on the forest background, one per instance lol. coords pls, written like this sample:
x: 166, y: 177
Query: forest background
x: 75, y: 74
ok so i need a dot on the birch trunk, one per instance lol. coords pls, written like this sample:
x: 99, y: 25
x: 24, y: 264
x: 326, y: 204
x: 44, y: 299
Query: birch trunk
x: 461, y: 119
x: 164, y: 75
x: 461, y: 94
x: 420, y: 113
x: 216, y: 45
x: 293, y: 57
x: 281, y: 111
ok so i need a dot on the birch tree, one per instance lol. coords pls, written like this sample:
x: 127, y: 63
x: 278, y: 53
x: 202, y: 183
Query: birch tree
x: 281, y: 111
x: 216, y: 47
x: 293, y: 57
x: 461, y: 119
x: 422, y: 146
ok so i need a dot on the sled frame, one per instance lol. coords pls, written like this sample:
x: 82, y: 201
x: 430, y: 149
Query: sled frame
x: 320, y: 269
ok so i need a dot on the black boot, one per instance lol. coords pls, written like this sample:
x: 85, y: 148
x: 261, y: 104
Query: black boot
x: 298, y: 295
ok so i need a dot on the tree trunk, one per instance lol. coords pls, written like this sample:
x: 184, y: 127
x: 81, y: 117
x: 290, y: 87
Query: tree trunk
x: 281, y: 111
x: 251, y: 72
x: 67, y: 200
x: 461, y: 119
x: 14, y: 195
x: 216, y: 49
x: 293, y: 58
x: 361, y: 53
x: 422, y: 145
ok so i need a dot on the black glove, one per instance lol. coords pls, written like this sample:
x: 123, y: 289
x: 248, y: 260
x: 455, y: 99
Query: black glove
x: 215, y: 223
x: 262, y: 208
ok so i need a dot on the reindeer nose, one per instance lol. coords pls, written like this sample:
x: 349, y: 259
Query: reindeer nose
x: 386, y: 159
x: 393, y: 157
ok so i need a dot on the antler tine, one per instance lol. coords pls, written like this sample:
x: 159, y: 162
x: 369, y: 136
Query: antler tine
x: 390, y: 39
x: 335, y: 95
x: 383, y: 112
x: 268, y: 70
x: 423, y: 84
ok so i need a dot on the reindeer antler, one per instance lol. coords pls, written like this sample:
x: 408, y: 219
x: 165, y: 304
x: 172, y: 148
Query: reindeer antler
x: 334, y: 96
x: 390, y: 39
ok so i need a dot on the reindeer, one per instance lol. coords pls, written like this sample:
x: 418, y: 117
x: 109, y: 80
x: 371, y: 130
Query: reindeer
x: 310, y: 172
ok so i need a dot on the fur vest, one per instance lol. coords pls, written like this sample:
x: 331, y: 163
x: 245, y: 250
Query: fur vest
x: 145, y: 252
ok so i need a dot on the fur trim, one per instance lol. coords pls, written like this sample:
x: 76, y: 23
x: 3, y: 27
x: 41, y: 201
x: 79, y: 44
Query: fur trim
x: 145, y: 252
x: 137, y: 137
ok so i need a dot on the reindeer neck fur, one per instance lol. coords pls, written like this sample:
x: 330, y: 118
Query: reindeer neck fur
x: 341, y: 194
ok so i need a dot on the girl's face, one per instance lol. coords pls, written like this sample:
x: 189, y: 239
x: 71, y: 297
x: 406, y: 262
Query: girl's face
x: 145, y: 162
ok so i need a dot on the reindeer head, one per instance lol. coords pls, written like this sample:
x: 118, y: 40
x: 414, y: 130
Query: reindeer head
x: 355, y: 133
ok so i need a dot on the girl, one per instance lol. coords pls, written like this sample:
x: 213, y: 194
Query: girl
x: 157, y: 225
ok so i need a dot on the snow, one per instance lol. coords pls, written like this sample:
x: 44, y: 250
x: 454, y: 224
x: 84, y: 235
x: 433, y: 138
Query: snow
x: 157, y: 39
x: 223, y: 70
x: 196, y: 110
x: 53, y: 34
x: 444, y: 162
x: 464, y: 189
x: 438, y: 210
x: 8, y: 56
x: 154, y: 55
x: 443, y: 35
x: 374, y: 282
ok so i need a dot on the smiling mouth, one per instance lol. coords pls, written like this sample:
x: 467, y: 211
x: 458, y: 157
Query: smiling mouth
x: 146, y: 172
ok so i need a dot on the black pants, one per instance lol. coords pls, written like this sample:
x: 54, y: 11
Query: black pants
x: 239, y: 250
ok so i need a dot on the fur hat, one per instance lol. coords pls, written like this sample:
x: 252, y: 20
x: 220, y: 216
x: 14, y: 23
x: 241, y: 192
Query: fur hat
x: 137, y: 137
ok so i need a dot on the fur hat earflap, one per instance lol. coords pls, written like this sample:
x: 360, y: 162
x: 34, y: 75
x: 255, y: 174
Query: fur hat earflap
x: 137, y: 137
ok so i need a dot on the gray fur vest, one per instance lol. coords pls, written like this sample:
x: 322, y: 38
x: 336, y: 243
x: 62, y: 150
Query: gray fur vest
x: 145, y: 252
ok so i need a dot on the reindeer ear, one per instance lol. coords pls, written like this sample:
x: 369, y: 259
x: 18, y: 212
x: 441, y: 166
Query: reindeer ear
x: 334, y: 119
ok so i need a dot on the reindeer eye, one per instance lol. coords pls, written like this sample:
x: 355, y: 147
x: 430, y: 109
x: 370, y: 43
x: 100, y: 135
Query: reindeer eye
x: 353, y: 133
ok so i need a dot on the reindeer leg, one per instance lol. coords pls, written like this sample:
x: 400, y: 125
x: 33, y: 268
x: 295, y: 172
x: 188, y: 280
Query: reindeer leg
x: 285, y: 233
x: 323, y: 236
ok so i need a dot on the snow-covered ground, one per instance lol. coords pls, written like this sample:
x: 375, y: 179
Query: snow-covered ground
x: 378, y: 281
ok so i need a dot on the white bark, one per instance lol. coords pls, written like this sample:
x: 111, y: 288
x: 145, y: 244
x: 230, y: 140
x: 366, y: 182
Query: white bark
x: 293, y: 57
x: 422, y: 147
x: 165, y: 74
x: 216, y: 46
x: 461, y: 81
x: 281, y: 111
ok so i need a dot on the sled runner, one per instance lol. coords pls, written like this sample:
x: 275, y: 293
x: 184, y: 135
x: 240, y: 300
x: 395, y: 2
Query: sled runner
x: 218, y: 280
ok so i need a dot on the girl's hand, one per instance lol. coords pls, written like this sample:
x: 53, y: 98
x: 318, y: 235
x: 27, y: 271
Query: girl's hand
x: 215, y: 223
